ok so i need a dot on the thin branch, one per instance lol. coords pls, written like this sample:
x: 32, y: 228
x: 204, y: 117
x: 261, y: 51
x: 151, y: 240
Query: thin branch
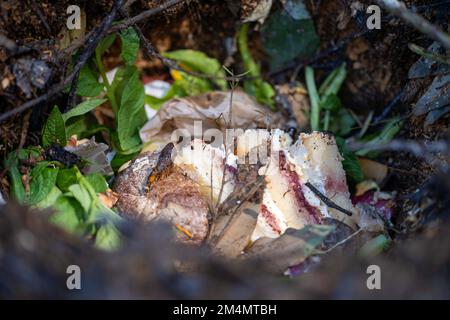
x: 144, y: 15
x: 41, y: 16
x: 419, y: 149
x: 399, y: 9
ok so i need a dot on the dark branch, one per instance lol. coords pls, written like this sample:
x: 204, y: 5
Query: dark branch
x: 327, y: 200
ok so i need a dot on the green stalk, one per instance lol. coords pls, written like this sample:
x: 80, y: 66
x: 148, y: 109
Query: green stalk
x: 324, y: 86
x: 337, y: 81
x: 109, y: 93
x: 250, y: 64
x: 326, y: 120
x: 314, y: 98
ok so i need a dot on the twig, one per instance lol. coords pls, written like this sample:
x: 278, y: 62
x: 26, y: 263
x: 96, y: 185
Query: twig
x: 340, y: 242
x: 326, y: 200
x: 399, y: 9
x: 23, y: 133
x: 38, y: 11
x: 429, y: 55
x: 418, y: 149
x: 335, y: 47
x: 144, y: 15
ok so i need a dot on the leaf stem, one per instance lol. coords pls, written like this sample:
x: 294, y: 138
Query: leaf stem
x: 109, y: 94
x: 314, y: 98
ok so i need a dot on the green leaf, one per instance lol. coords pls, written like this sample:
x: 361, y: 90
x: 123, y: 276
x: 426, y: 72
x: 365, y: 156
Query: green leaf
x: 98, y: 182
x: 17, y: 190
x: 50, y: 199
x: 314, y: 98
x: 192, y: 86
x: 285, y: 38
x: 68, y: 213
x: 108, y: 237
x: 341, y: 122
x: 200, y: 62
x: 82, y: 108
x: 43, y: 179
x: 374, y: 246
x: 82, y: 196
x: 333, y: 83
x: 88, y: 85
x: 249, y: 63
x: 121, y: 78
x: 66, y: 178
x: 350, y: 163
x: 131, y: 115
x: 331, y: 102
x: 387, y: 134
x: 76, y: 126
x: 54, y: 129
x: 104, y: 44
x: 261, y: 90
x: 130, y: 45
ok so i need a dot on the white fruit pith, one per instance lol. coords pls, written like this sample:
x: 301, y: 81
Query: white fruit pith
x: 287, y: 201
x: 205, y: 165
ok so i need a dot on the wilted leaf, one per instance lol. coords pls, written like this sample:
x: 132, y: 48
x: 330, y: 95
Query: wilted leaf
x: 435, y: 101
x: 365, y: 186
x: 373, y: 170
x: 293, y: 247
x: 236, y: 235
x: 94, y: 155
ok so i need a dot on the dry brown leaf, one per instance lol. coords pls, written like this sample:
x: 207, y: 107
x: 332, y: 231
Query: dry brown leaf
x: 214, y: 112
x: 108, y: 198
x: 236, y: 236
x: 373, y: 170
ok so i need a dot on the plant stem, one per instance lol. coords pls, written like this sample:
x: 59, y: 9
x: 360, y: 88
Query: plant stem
x: 314, y: 98
x: 336, y: 82
x: 109, y: 93
x: 326, y: 120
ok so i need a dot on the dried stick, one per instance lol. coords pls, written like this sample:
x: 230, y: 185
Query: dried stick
x: 327, y: 200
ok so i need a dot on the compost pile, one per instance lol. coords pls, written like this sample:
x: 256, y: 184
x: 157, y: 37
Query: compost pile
x: 224, y: 149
